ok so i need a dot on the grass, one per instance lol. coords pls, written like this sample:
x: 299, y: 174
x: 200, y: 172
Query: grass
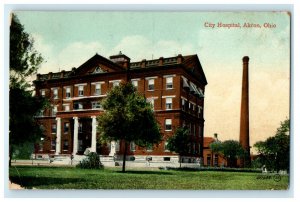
x: 110, y: 178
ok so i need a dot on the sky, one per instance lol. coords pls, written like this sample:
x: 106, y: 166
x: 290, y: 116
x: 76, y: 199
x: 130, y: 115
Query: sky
x: 68, y: 39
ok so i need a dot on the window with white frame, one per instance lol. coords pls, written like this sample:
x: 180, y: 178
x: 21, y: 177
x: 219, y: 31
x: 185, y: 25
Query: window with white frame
x: 134, y: 83
x: 66, y: 127
x: 80, y: 127
x: 169, y: 82
x: 132, y: 146
x: 97, y: 89
x: 43, y: 92
x: 96, y: 105
x: 66, y: 107
x: 68, y: 92
x: 166, y: 147
x: 151, y: 101
x: 53, y: 128
x: 151, y: 84
x: 54, y: 110
x: 168, y: 103
x: 55, y: 93
x: 168, y: 124
x: 53, y: 144
x: 77, y: 105
x: 116, y: 83
x: 81, y: 90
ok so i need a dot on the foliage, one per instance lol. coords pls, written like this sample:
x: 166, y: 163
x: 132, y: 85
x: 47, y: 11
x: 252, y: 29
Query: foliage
x: 128, y: 117
x: 110, y: 178
x: 23, y: 151
x: 23, y: 107
x: 274, y: 152
x: 24, y: 59
x: 230, y: 149
x: 180, y: 142
x: 91, y: 162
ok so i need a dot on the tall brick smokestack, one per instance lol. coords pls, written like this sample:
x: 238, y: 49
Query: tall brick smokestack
x: 244, y: 122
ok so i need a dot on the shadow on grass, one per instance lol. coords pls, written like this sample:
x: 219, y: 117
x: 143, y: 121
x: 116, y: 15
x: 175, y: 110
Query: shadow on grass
x: 30, y: 182
x: 139, y: 172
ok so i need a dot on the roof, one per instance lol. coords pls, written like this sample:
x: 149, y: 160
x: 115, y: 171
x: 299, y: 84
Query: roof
x: 207, y: 141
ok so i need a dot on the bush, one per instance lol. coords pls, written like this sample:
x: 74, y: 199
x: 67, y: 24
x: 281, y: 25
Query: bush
x: 91, y: 162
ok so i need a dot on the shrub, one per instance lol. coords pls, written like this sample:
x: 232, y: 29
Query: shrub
x: 91, y: 162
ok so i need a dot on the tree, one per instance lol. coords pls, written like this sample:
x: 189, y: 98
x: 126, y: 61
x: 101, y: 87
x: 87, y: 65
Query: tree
x: 274, y: 152
x: 232, y: 150
x: 180, y: 142
x: 128, y: 117
x: 23, y: 107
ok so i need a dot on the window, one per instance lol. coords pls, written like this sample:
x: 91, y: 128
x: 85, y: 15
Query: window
x: 194, y: 148
x: 98, y: 89
x: 80, y: 90
x: 77, y: 105
x: 43, y: 93
x: 55, y: 93
x: 66, y: 145
x: 190, y: 128
x: 116, y: 83
x: 168, y: 103
x: 168, y: 124
x: 151, y: 101
x: 53, y: 128
x: 167, y: 158
x: 67, y: 108
x: 194, y: 130
x: 183, y: 103
x: 135, y: 83
x: 41, y: 144
x: 117, y: 146
x: 54, y: 110
x: 80, y: 127
x: 199, y: 148
x: 149, y: 147
x: 96, y: 105
x: 53, y: 145
x: 68, y: 92
x: 166, y: 146
x: 151, y: 84
x: 200, y: 131
x: 169, y: 83
x: 66, y: 127
x: 132, y: 146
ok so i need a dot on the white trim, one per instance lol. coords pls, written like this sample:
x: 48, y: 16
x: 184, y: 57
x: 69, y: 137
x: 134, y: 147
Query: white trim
x: 192, y: 103
x: 168, y: 96
x: 98, y: 82
x: 137, y: 79
x: 183, y: 98
x: 171, y: 75
x: 67, y: 87
x: 84, y: 97
x: 54, y: 88
x: 80, y: 84
x: 154, y: 98
x: 151, y: 77
x: 112, y: 81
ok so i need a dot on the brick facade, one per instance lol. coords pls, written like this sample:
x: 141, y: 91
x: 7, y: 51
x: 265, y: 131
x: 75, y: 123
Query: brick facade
x: 175, y: 86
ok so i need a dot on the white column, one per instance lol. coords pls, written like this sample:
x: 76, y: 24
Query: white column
x: 112, y: 148
x: 75, y: 141
x: 58, y: 136
x: 94, y: 132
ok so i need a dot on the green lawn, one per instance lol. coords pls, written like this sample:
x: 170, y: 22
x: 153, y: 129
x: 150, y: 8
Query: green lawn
x: 109, y: 178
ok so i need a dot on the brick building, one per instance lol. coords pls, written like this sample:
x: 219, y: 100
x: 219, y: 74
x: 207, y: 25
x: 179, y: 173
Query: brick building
x: 175, y: 86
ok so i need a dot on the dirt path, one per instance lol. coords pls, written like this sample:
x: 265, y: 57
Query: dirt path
x: 14, y: 186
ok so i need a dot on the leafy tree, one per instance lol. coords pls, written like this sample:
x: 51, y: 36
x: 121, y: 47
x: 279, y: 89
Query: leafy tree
x: 232, y: 150
x: 24, y: 62
x: 180, y: 142
x: 274, y: 152
x: 128, y: 117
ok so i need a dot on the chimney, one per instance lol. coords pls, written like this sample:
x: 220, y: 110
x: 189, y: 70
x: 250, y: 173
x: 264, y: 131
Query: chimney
x: 160, y: 61
x: 143, y: 65
x: 244, y: 119
x: 179, y: 59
